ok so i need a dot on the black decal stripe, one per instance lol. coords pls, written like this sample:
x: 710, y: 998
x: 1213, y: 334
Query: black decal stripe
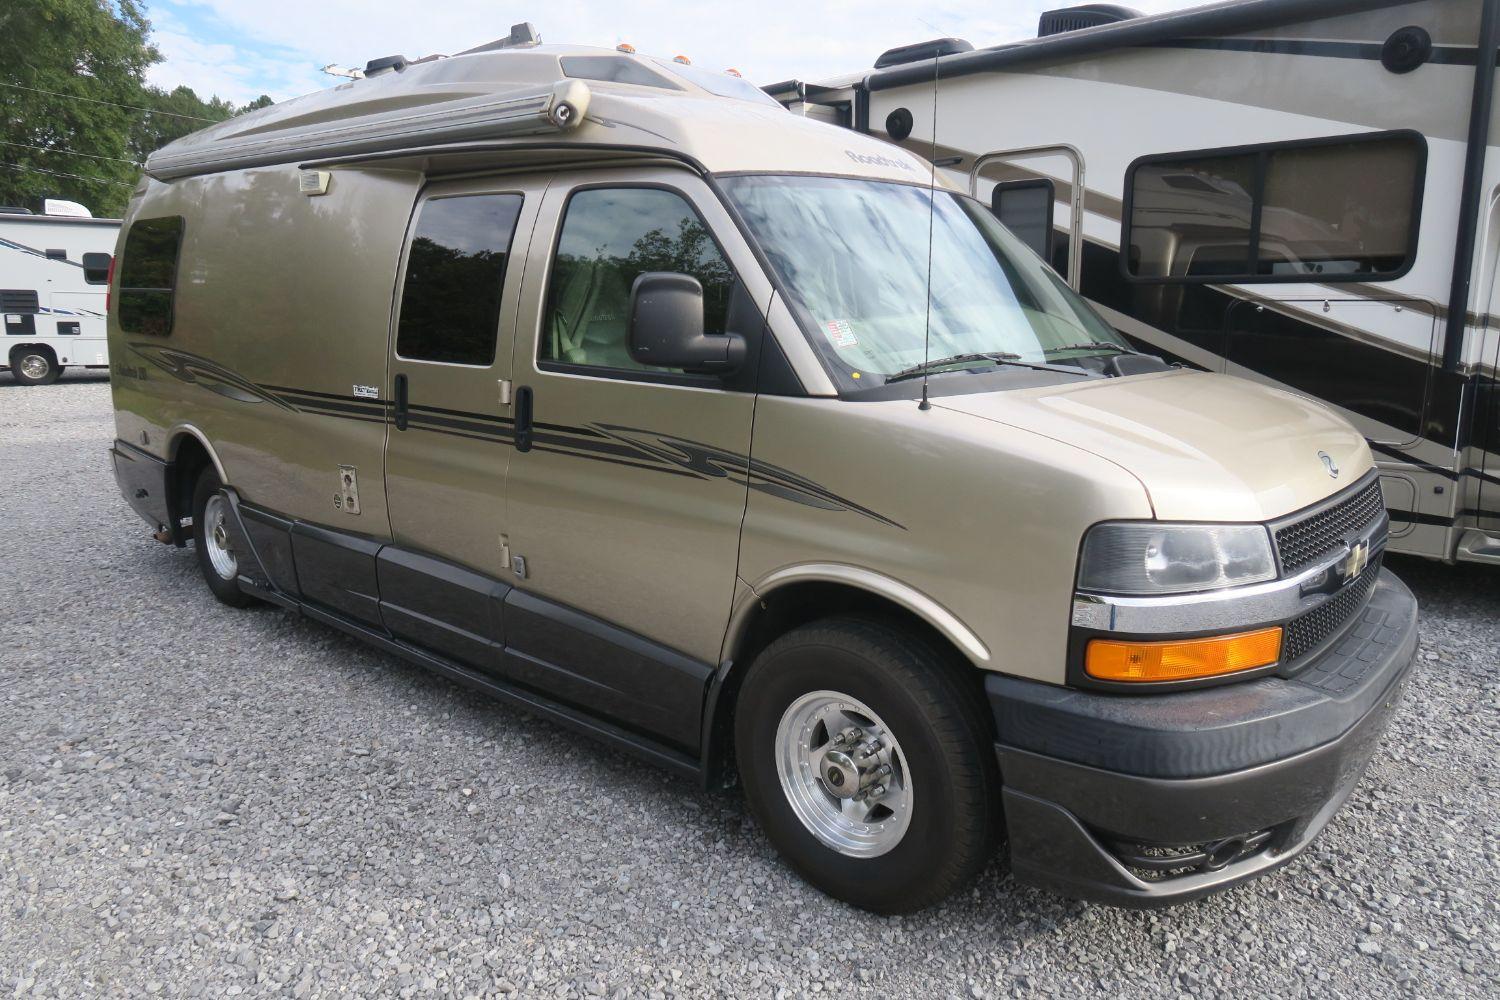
x: 462, y: 428
x: 466, y: 414
x: 616, y: 461
x: 327, y: 395
x: 1446, y: 55
x: 330, y: 408
x: 626, y: 447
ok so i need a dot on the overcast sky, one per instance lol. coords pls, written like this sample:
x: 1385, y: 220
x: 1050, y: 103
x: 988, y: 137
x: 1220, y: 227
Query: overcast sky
x: 239, y: 49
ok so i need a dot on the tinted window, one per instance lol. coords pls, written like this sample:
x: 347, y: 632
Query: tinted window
x: 148, y: 275
x: 614, y: 69
x: 609, y: 237
x: 96, y: 268
x: 450, y: 304
x: 1292, y: 211
x: 1026, y: 209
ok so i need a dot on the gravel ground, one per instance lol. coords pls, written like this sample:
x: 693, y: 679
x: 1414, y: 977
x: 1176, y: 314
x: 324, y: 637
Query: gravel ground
x: 196, y: 801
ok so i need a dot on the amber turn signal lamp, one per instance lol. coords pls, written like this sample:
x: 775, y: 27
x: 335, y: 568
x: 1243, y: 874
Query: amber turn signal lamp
x: 1182, y: 659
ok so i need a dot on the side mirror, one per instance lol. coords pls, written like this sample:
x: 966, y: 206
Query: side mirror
x: 666, y: 327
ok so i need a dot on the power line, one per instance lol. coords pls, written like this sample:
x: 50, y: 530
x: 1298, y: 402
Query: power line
x: 59, y: 173
x: 130, y: 107
x: 69, y: 152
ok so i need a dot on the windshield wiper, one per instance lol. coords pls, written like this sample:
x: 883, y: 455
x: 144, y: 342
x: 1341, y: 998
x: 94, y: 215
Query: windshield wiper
x: 1091, y: 345
x: 928, y: 367
x: 997, y: 357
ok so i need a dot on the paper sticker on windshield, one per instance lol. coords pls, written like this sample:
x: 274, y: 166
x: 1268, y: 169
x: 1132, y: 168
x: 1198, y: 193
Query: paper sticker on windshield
x: 841, y: 333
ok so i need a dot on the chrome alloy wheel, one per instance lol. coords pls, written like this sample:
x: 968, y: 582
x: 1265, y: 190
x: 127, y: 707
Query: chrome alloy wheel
x: 216, y: 538
x: 843, y: 773
x: 34, y: 366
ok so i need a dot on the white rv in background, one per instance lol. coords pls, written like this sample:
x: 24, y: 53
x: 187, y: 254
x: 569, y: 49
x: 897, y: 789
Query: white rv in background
x: 54, y: 280
x: 1301, y: 192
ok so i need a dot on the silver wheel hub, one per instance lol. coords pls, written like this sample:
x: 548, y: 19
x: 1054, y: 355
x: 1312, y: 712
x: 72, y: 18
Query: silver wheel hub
x: 34, y: 366
x: 844, y: 774
x: 216, y: 538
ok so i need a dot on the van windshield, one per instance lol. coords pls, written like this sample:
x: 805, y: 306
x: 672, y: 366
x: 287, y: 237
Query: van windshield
x: 852, y: 256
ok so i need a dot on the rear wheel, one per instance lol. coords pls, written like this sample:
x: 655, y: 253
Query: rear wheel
x: 869, y: 761
x: 34, y: 366
x: 217, y: 558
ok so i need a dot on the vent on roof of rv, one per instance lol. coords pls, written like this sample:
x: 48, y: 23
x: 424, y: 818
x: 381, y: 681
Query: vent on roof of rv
x: 1090, y: 15
x: 919, y: 51
x: 384, y: 65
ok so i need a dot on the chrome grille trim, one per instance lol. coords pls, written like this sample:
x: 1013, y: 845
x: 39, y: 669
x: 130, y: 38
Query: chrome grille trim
x: 1307, y: 536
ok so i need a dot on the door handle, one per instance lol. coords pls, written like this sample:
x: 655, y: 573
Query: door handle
x: 523, y: 418
x: 400, y: 402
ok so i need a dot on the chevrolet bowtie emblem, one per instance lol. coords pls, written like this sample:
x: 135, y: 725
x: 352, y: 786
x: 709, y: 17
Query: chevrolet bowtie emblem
x: 1357, y: 560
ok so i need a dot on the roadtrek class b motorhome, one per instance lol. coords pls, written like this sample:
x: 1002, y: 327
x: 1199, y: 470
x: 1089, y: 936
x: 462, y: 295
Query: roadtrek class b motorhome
x: 1307, y: 193
x: 608, y: 387
x: 54, y: 269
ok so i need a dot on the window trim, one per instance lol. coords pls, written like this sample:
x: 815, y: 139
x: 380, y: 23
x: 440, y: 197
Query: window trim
x: 400, y: 301
x: 1262, y: 151
x: 121, y: 288
x: 622, y: 374
x: 1023, y: 185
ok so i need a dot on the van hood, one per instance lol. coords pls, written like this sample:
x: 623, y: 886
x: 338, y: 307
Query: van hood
x: 1206, y: 447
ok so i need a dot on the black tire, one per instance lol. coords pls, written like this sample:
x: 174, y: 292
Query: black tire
x: 937, y: 715
x: 226, y: 589
x: 41, y: 361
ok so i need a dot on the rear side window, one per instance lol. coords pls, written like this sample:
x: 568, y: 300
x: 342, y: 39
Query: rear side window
x: 455, y: 272
x: 611, y: 236
x: 1326, y: 210
x: 148, y: 275
x: 96, y: 268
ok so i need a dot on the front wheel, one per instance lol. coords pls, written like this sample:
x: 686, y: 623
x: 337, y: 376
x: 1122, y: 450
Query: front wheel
x: 867, y: 757
x: 217, y: 558
x: 34, y: 366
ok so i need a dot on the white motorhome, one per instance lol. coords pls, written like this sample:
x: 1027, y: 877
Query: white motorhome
x: 54, y: 280
x: 1294, y: 191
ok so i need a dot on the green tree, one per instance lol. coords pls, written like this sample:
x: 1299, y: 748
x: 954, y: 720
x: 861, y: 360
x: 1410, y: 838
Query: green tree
x: 78, y: 116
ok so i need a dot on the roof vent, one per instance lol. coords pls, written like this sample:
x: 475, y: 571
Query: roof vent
x: 920, y: 51
x: 1090, y: 15
x: 66, y: 209
x: 384, y: 64
x: 522, y: 36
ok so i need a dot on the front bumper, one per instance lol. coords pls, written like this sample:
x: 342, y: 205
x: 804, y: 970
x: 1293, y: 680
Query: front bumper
x: 1150, y: 800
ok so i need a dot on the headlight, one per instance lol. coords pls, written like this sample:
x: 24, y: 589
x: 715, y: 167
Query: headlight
x: 1156, y: 558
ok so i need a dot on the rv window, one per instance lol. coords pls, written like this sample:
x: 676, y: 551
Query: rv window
x: 57, y: 254
x: 1322, y: 210
x: 455, y: 270
x: 1026, y: 209
x: 615, y: 69
x: 96, y: 268
x: 148, y: 275
x: 609, y: 237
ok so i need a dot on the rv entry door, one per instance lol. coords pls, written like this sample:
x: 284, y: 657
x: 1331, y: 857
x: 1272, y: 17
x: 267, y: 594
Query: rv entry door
x: 449, y: 439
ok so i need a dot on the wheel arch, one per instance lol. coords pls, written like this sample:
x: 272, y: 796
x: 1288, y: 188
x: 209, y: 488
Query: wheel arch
x: 189, y: 452
x: 795, y: 596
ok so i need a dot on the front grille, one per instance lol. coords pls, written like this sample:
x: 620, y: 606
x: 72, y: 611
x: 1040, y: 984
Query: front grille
x: 1309, y: 631
x: 1304, y: 542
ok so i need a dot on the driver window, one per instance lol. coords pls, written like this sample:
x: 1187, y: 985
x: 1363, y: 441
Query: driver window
x: 609, y: 237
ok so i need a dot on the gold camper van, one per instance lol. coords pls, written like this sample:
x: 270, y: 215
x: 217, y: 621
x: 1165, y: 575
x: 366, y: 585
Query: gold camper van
x: 610, y: 388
